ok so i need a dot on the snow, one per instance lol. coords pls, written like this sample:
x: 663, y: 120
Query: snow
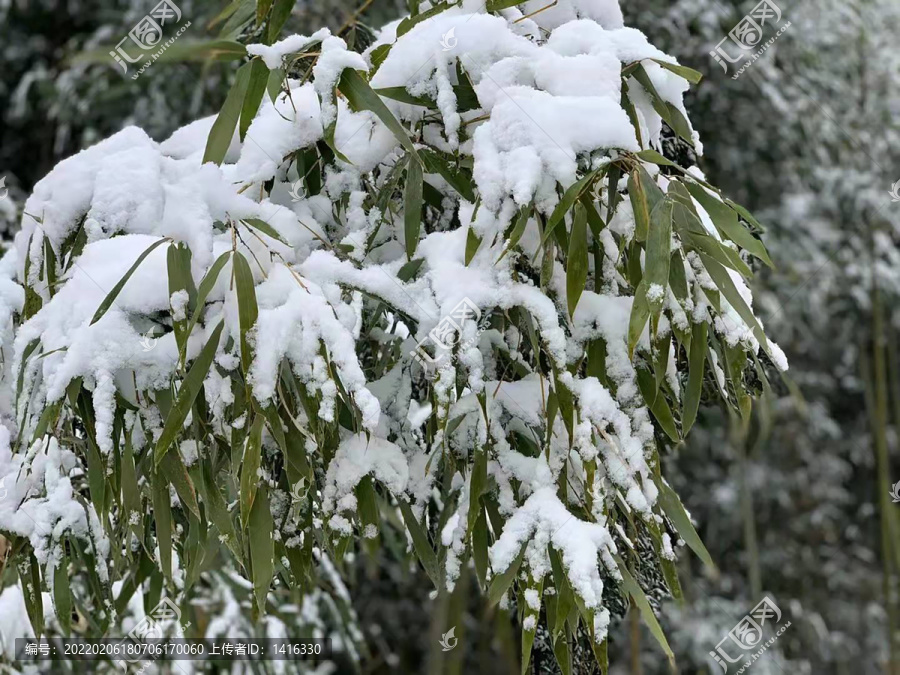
x: 543, y: 520
x: 356, y: 458
x: 273, y: 55
x: 549, y: 92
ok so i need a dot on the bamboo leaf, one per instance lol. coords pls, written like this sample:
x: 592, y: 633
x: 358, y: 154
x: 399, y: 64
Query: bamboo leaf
x: 114, y: 293
x: 173, y: 467
x: 247, y: 307
x: 421, y: 545
x: 262, y: 547
x: 190, y: 387
x: 727, y: 288
x: 361, y: 97
x: 256, y: 89
x: 726, y: 222
x: 640, y: 600
x: 412, y: 206
x: 402, y: 95
x: 203, y: 291
x: 459, y: 181
x: 62, y: 594
x: 473, y: 241
x: 658, y: 256
x: 266, y: 229
x: 577, y: 260
x: 688, y: 74
x: 673, y: 508
x: 517, y: 231
x: 640, y: 313
x: 162, y: 516
x: 697, y: 363
x: 250, y: 468
x: 280, y: 13
x: 222, y: 130
x: 411, y: 21
x: 503, y: 581
x: 657, y: 404
x: 570, y: 196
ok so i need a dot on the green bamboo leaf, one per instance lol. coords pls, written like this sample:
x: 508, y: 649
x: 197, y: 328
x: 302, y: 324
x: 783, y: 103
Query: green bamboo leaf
x: 222, y: 130
x: 497, y: 5
x: 565, y: 596
x: 688, y: 74
x: 402, y: 95
x: 577, y: 260
x: 265, y: 228
x: 459, y: 181
x: 504, y: 580
x: 570, y: 196
x: 274, y: 82
x: 480, y: 547
x: 421, y: 545
x: 62, y: 594
x: 162, y: 517
x: 280, y: 13
x: 674, y: 509
x: 256, y: 89
x: 114, y: 293
x: 361, y: 97
x: 190, y: 387
x: 745, y: 214
x: 697, y: 363
x: 473, y: 241
x: 367, y: 507
x: 262, y: 8
x: 248, y: 310
x: 726, y: 222
x: 250, y: 468
x: 640, y: 313
x: 262, y: 547
x: 203, y: 291
x: 639, y: 206
x: 176, y: 473
x: 654, y: 157
x: 631, y: 586
x: 412, y: 206
x: 658, y: 256
x: 727, y: 288
x: 528, y: 635
x: 657, y: 404
x: 216, y: 509
x: 518, y: 230
x: 411, y: 21
x: 409, y: 269
x: 30, y: 577
x: 477, y: 485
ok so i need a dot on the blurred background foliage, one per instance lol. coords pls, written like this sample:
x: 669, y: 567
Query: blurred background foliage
x: 795, y: 504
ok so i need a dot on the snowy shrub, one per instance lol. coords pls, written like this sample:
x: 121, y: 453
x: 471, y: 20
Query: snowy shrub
x: 448, y: 284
